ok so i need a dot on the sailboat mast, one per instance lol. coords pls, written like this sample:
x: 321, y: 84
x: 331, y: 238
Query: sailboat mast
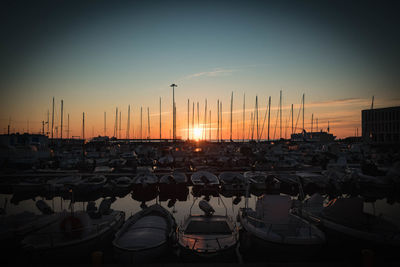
x: 193, y: 121
x: 312, y: 120
x: 62, y: 113
x: 209, y: 128
x: 292, y: 118
x: 83, y: 126
x: 119, y: 129
x: 116, y: 123
x: 160, y: 119
x: 52, y: 121
x: 269, y: 114
x: 280, y: 114
x: 141, y: 123
x: 129, y: 122
x: 220, y: 110
x: 230, y: 136
x: 105, y: 123
x: 218, y: 120
x: 204, y: 135
x: 303, y: 112
x: 252, y: 126
x: 198, y: 116
x: 68, y: 127
x: 148, y: 123
x: 244, y: 115
x: 188, y: 115
x: 257, y: 117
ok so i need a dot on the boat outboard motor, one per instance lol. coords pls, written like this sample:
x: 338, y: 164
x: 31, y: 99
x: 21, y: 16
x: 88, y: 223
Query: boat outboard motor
x: 237, y: 200
x: 43, y: 207
x: 206, y: 207
x: 105, y: 206
x: 143, y: 205
x: 171, y: 203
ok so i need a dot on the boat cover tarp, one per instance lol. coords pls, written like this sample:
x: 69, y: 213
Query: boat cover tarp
x: 347, y: 211
x: 274, y: 209
x: 208, y: 227
x: 147, y: 232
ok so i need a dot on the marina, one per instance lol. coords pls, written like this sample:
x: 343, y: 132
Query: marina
x: 200, y: 133
x: 245, y: 208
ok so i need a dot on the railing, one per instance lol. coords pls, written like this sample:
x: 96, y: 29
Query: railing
x: 234, y: 237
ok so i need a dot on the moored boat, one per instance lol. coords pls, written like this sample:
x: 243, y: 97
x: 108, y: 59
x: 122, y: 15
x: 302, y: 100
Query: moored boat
x: 272, y: 227
x: 73, y: 236
x: 208, y: 236
x: 145, y: 236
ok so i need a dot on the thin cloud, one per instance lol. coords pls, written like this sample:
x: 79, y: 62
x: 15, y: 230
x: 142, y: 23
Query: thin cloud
x: 214, y: 73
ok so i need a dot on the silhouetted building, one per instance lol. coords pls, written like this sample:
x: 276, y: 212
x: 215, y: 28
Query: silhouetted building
x: 381, y: 126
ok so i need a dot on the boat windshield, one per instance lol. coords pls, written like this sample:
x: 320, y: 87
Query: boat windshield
x: 208, y: 228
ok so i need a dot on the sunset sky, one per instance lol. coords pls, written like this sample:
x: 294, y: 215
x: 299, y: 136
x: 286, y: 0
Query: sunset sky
x: 97, y: 56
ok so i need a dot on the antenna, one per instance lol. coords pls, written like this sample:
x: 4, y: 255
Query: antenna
x: 62, y: 113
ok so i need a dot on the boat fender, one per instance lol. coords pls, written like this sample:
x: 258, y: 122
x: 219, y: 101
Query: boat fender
x: 206, y: 207
x: 105, y: 206
x: 43, y: 207
x: 71, y: 227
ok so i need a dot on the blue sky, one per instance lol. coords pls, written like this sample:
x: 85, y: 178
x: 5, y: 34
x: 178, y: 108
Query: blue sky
x: 99, y: 56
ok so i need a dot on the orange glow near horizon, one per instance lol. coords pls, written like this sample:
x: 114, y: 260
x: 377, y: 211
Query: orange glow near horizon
x: 197, y: 132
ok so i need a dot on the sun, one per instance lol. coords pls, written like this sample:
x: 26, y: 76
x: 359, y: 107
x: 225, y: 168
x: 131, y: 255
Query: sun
x: 197, y: 133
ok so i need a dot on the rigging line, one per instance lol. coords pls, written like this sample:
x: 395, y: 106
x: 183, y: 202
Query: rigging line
x: 298, y: 116
x: 276, y: 121
x: 265, y: 117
